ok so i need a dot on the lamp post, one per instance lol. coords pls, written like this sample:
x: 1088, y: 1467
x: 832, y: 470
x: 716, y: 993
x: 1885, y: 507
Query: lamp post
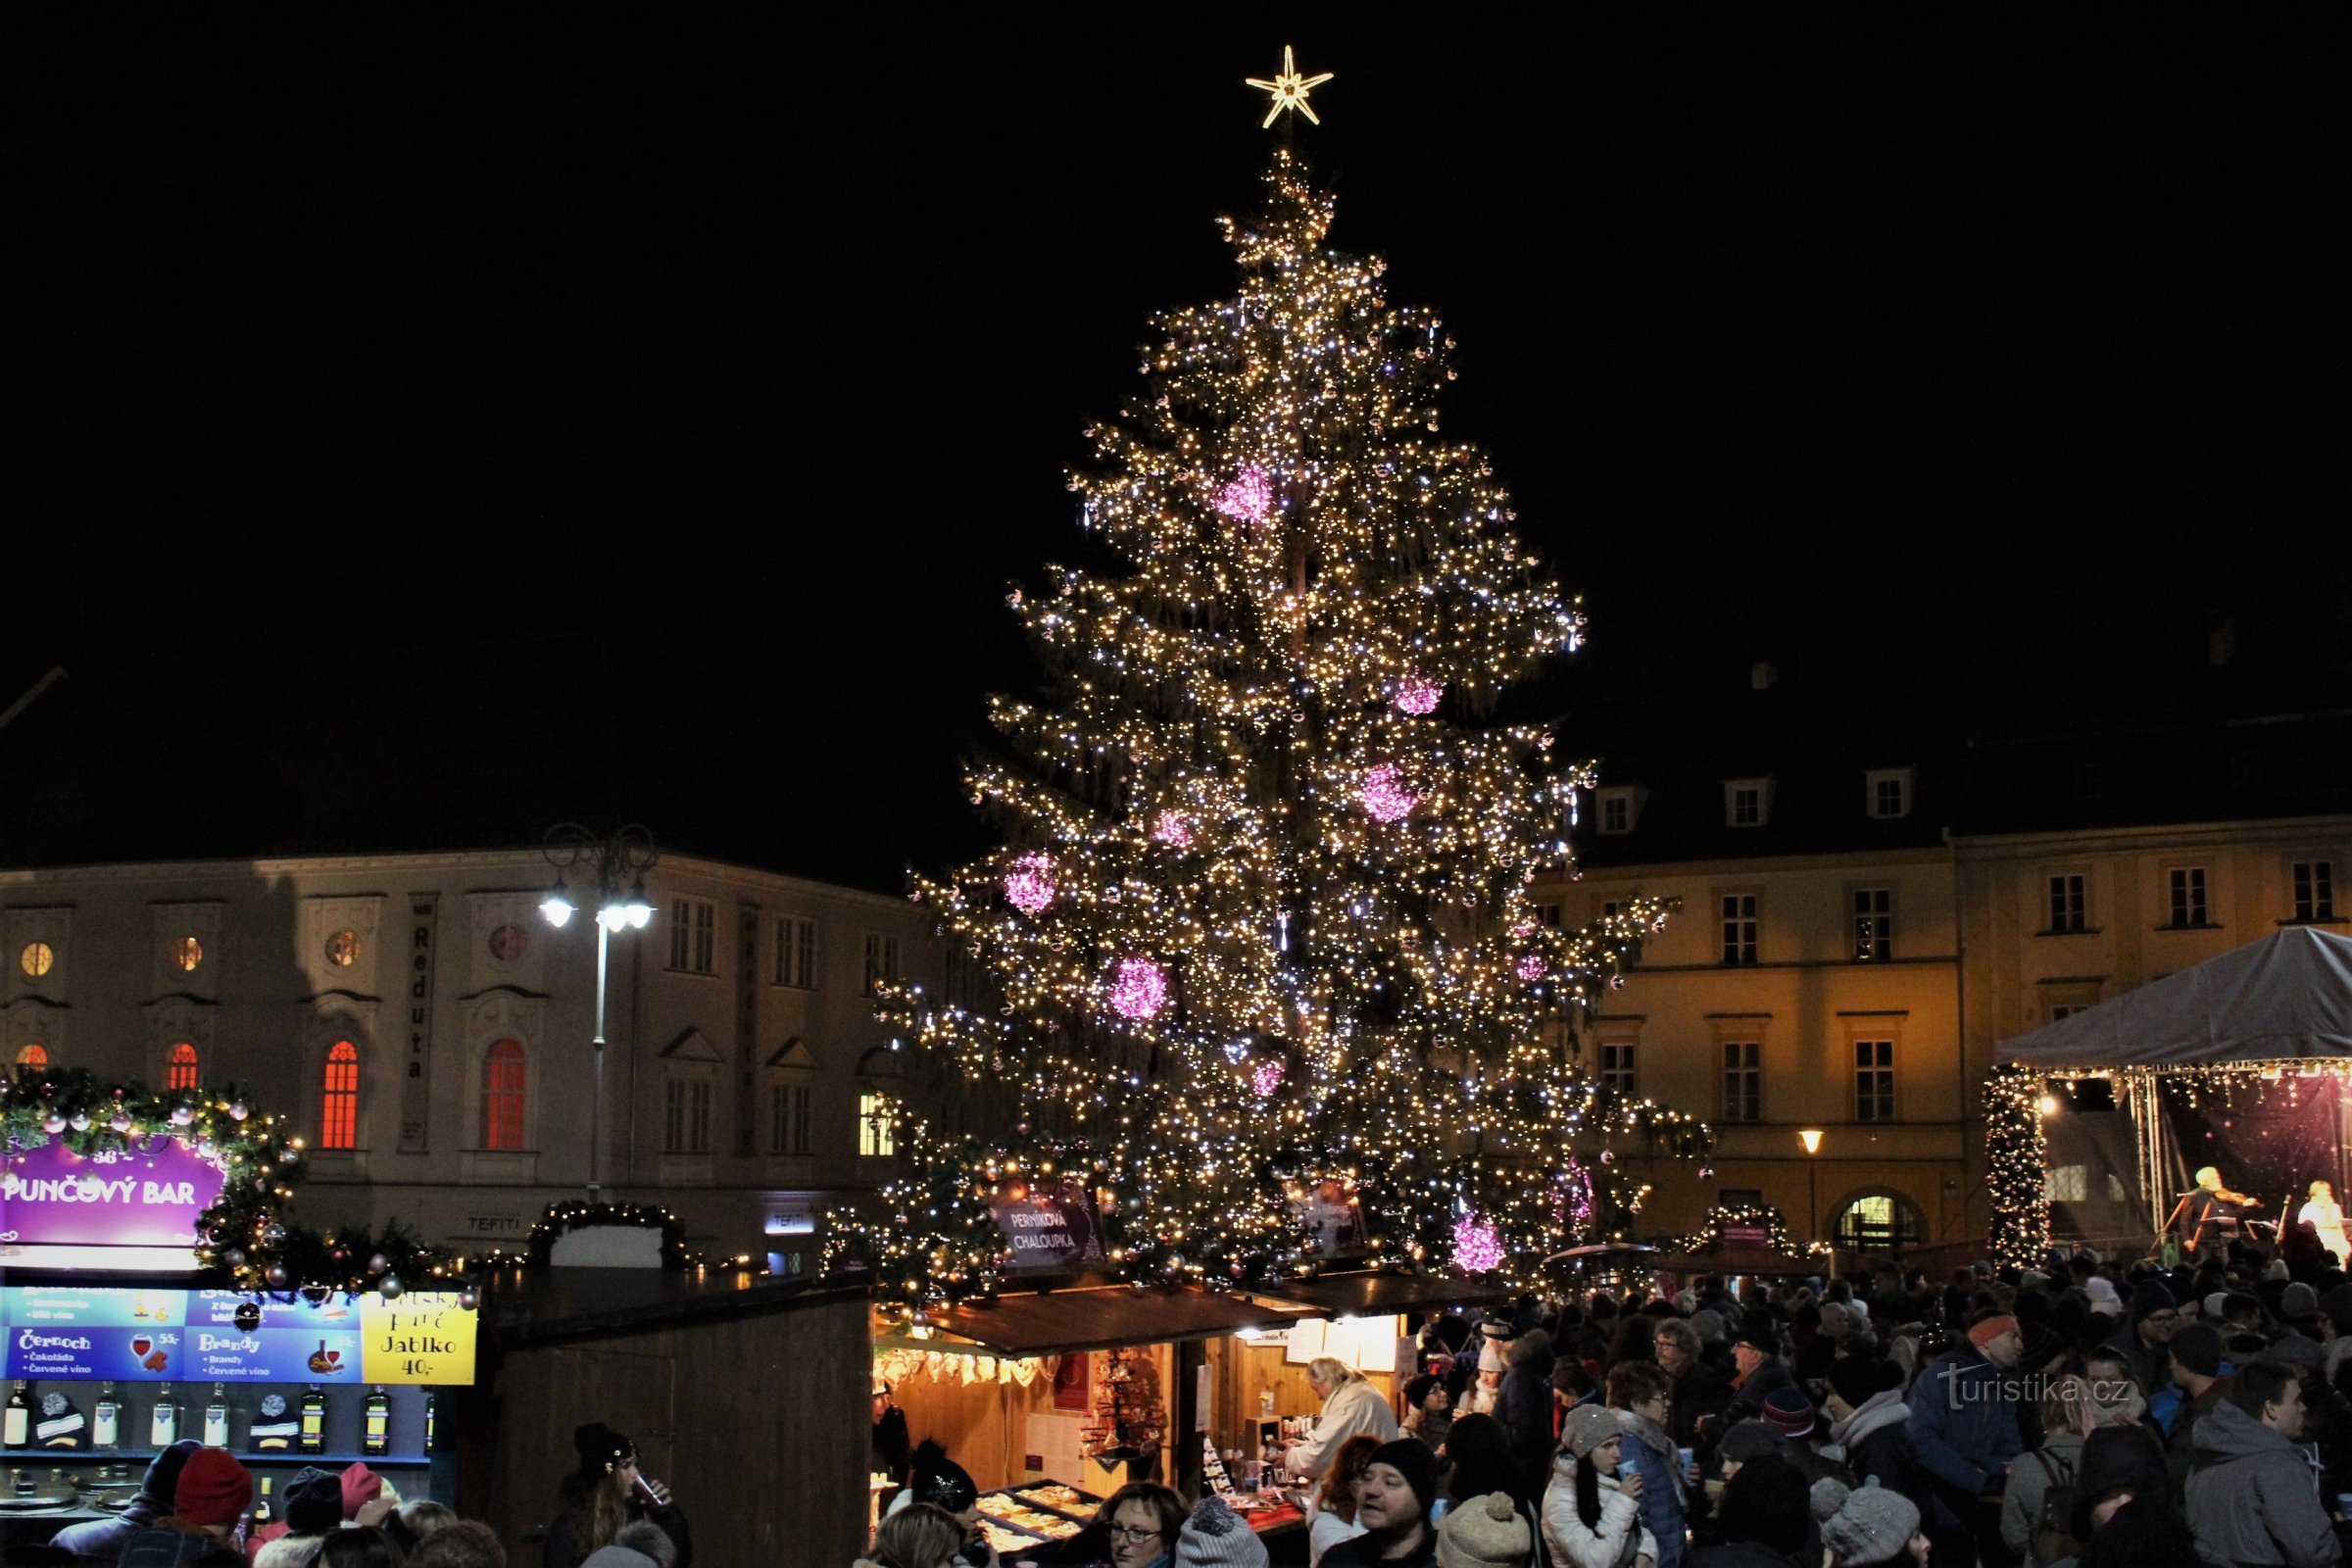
x: 618, y: 861
x: 1811, y: 1139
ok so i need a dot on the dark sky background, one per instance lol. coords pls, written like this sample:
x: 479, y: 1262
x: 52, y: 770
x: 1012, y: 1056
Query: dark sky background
x: 424, y: 435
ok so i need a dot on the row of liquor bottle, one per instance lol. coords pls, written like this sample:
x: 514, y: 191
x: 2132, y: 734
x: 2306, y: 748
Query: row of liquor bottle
x: 277, y: 1427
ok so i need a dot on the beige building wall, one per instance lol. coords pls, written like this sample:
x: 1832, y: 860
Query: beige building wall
x: 732, y: 1077
x: 1805, y: 1003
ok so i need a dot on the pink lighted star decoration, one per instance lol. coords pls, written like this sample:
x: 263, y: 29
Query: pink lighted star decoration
x: 1477, y: 1244
x: 1139, y: 990
x: 1417, y: 695
x: 1173, y: 829
x: 1266, y: 1079
x: 1247, y: 496
x: 1530, y: 966
x: 1385, y: 794
x: 1029, y: 883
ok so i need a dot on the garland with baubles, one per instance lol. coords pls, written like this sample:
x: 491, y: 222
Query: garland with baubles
x: 577, y: 1215
x: 1711, y: 1225
x: 245, y: 1239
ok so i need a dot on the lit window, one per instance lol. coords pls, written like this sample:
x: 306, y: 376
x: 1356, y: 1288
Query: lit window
x: 186, y: 954
x: 875, y: 1134
x: 38, y: 958
x: 35, y: 1055
x: 1880, y: 1222
x: 504, y: 1074
x: 2069, y: 911
x: 1743, y: 1080
x: 694, y: 936
x: 881, y: 961
x: 1874, y: 1080
x: 1874, y: 924
x: 2188, y: 894
x: 2315, y: 890
x: 339, y: 1105
x: 343, y: 948
x: 181, y: 1071
x: 1738, y: 928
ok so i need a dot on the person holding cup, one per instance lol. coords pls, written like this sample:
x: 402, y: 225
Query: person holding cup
x: 1640, y: 1395
x: 1593, y: 1508
x: 606, y: 1494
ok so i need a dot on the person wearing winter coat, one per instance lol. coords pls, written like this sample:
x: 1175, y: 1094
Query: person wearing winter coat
x: 1698, y: 1392
x: 1488, y: 1532
x: 1350, y: 1406
x: 1333, y: 1518
x: 2195, y: 1349
x: 1593, y: 1508
x: 1869, y: 1428
x: 2252, y: 1499
x: 2147, y: 1329
x: 2068, y: 1417
x: 1766, y: 1519
x: 920, y: 1534
x: 1874, y: 1525
x: 1524, y: 1405
x: 1638, y: 1393
x: 1756, y: 1352
x: 1963, y: 1427
x: 1393, y: 1503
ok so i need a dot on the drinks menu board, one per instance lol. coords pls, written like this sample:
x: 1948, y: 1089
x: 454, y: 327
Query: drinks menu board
x: 174, y: 1335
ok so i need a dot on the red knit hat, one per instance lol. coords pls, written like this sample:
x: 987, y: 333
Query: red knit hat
x: 212, y: 1489
x: 361, y: 1486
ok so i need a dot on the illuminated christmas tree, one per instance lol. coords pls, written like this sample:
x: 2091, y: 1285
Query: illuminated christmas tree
x: 1263, y: 919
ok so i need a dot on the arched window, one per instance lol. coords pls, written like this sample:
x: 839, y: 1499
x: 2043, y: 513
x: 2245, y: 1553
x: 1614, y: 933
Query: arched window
x: 503, y: 1075
x: 1880, y: 1222
x: 339, y: 1108
x: 182, y: 1073
x: 35, y: 1055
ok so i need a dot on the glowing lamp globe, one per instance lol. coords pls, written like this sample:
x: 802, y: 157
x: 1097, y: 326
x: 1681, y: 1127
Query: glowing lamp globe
x: 1247, y: 496
x: 1385, y: 795
x: 1417, y: 695
x: 1139, y: 988
x: 1029, y: 883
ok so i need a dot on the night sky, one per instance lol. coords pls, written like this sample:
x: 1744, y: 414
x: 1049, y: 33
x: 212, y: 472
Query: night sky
x: 425, y: 434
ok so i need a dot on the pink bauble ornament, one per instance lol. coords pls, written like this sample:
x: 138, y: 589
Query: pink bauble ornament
x: 1268, y: 1078
x: 1173, y: 829
x: 1247, y: 496
x: 1029, y: 883
x: 1384, y: 795
x: 1477, y: 1244
x: 1417, y: 695
x: 1531, y: 967
x: 1139, y: 988
x: 53, y: 1124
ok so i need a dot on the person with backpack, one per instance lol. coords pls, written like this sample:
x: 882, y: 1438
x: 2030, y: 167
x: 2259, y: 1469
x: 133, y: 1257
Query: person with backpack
x: 2037, y: 1504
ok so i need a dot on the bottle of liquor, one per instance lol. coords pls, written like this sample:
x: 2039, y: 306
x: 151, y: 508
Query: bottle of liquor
x: 162, y: 1427
x: 379, y: 1440
x: 19, y: 1422
x: 314, y: 1422
x: 429, y: 1423
x: 262, y: 1511
x: 106, y: 1419
x: 215, y: 1419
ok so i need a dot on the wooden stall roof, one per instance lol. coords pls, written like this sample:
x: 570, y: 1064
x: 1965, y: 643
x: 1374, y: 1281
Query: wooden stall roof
x: 1063, y: 1322
x: 1738, y: 1261
x: 1380, y: 1294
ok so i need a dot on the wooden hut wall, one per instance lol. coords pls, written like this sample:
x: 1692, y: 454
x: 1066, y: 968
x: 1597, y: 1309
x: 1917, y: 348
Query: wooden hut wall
x: 760, y: 1423
x: 1239, y: 1374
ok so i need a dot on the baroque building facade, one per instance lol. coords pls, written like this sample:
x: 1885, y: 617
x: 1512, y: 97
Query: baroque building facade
x: 431, y: 1032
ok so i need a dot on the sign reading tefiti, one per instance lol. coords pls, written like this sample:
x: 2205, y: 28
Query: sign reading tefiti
x: 1047, y: 1224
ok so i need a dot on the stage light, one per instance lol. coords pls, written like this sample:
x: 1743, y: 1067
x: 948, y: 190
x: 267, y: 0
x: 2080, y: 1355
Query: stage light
x: 2047, y: 1104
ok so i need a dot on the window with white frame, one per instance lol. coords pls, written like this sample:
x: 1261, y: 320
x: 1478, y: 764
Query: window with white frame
x: 1886, y: 792
x: 1874, y: 1080
x: 2069, y: 907
x: 694, y: 936
x: 1619, y: 807
x: 2314, y: 889
x: 789, y: 1118
x: 2188, y: 885
x: 876, y: 1135
x: 796, y: 952
x: 1748, y: 802
x: 1738, y: 928
x: 686, y: 1116
x: 881, y: 961
x: 1743, y: 1080
x: 1617, y: 1067
x: 1874, y: 924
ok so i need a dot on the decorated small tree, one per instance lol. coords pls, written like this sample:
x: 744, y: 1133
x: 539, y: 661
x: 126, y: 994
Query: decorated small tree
x: 1262, y: 920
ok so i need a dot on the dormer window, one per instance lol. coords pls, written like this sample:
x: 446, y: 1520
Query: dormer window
x: 1619, y: 807
x: 1748, y: 802
x: 1886, y: 792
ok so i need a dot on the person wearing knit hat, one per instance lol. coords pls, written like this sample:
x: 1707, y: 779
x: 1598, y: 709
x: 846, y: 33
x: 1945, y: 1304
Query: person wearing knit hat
x: 106, y: 1537
x: 1486, y: 1532
x: 1215, y: 1537
x: 1744, y: 1443
x: 2105, y: 1299
x: 208, y: 1496
x: 2196, y: 1351
x: 1963, y: 1427
x: 1707, y: 1324
x: 2298, y: 1304
x: 1768, y: 1505
x: 606, y: 1491
x: 1592, y: 1507
x: 1791, y: 1415
x: 2154, y: 1315
x: 1874, y: 1525
x: 1393, y: 1502
x: 1826, y: 1496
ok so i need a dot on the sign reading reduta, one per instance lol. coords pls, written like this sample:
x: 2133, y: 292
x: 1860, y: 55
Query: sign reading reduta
x: 147, y: 1195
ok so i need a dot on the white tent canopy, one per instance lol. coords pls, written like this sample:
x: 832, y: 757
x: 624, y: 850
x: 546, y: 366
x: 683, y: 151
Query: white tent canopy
x: 2285, y: 997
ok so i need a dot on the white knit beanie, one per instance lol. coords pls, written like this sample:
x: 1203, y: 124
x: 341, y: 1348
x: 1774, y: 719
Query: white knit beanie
x: 1215, y: 1537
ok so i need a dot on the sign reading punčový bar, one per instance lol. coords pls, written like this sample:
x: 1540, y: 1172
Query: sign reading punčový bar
x: 148, y: 1195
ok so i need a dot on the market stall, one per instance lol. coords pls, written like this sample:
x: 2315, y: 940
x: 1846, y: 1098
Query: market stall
x: 2098, y: 1123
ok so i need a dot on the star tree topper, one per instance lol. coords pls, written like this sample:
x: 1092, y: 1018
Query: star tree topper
x: 1290, y: 90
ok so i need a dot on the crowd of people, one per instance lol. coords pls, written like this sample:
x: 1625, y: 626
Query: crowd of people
x: 196, y: 1508
x: 2083, y: 1413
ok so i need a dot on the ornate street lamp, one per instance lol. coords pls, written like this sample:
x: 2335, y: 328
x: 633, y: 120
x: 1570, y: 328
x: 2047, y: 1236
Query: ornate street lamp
x: 617, y: 863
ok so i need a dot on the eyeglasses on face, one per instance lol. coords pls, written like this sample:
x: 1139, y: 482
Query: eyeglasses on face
x: 1135, y: 1531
